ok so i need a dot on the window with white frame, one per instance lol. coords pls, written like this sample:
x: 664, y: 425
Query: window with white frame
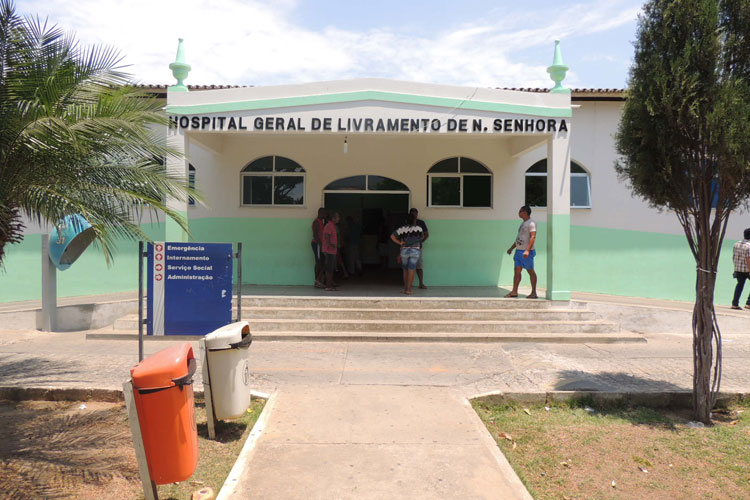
x: 273, y: 180
x: 536, y: 185
x: 459, y: 182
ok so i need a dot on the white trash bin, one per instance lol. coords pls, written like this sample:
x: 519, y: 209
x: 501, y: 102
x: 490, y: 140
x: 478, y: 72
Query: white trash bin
x: 229, y: 370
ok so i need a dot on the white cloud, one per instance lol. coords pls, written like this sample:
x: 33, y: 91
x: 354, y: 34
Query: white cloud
x: 249, y: 42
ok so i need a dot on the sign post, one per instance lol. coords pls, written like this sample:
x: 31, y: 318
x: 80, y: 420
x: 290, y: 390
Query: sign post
x: 150, y: 491
x: 208, y: 396
x: 49, y: 289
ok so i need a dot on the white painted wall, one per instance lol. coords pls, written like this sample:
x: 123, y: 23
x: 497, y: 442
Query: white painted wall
x: 404, y: 158
x: 612, y: 204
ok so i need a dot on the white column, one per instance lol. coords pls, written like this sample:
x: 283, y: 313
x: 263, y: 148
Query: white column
x: 49, y: 289
x: 178, y: 141
x: 558, y: 216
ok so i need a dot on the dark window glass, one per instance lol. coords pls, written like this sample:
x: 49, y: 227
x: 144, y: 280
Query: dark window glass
x: 288, y: 190
x: 446, y: 166
x: 446, y: 191
x: 473, y: 167
x: 264, y: 164
x: 536, y: 186
x: 477, y: 190
x: 256, y: 190
x: 539, y: 167
x: 191, y: 183
x: 536, y: 190
x: 356, y: 182
x: 379, y: 183
x: 287, y: 165
x: 579, y: 191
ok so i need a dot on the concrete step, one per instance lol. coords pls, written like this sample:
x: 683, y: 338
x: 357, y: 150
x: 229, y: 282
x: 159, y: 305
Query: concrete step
x: 437, y: 326
x: 508, y: 337
x: 410, y: 324
x: 325, y: 313
x: 331, y: 300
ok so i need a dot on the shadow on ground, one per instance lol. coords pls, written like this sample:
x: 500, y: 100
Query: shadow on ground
x: 226, y: 431
x: 47, y: 449
x: 37, y: 369
x: 576, y: 380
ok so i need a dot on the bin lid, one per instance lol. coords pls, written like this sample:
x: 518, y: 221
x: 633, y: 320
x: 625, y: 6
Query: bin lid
x: 163, y: 368
x: 229, y: 336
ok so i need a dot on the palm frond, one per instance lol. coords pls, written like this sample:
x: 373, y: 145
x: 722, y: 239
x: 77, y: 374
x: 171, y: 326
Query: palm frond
x: 75, y: 137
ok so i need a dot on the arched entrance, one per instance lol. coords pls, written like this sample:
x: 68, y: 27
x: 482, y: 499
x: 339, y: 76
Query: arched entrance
x: 371, y: 207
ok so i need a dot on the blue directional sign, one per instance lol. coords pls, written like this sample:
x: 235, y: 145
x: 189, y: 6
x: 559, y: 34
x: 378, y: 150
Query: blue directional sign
x: 189, y: 288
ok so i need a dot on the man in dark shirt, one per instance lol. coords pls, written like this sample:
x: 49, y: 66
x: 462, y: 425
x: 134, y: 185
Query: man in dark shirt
x: 426, y: 234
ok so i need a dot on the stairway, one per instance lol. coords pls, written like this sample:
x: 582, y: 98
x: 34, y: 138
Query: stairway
x: 411, y: 319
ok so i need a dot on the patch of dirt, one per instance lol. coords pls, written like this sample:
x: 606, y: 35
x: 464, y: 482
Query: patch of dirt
x: 55, y: 450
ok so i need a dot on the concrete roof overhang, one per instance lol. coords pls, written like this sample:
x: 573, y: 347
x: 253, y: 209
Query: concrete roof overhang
x: 525, y: 119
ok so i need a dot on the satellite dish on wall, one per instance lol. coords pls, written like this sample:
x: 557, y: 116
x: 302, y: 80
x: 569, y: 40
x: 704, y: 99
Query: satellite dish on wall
x: 69, y: 239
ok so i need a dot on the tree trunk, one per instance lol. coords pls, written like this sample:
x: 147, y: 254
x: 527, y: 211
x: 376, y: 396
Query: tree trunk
x: 704, y: 361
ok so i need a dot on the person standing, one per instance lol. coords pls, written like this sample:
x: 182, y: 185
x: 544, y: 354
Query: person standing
x: 317, y: 230
x: 409, y: 236
x: 741, y: 258
x: 425, y: 235
x: 330, y: 247
x: 525, y: 252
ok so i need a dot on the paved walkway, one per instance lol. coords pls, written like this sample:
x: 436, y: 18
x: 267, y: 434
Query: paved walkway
x: 375, y: 442
x: 374, y: 420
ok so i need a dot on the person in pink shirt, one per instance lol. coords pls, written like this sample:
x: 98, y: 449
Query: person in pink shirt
x: 330, y: 247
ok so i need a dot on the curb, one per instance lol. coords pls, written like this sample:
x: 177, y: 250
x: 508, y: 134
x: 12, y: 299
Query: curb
x: 60, y: 394
x: 229, y: 488
x: 66, y: 394
x: 512, y: 480
x: 663, y: 399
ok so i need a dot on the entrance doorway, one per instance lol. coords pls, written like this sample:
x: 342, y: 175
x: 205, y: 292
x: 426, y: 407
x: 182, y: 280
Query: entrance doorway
x: 371, y: 208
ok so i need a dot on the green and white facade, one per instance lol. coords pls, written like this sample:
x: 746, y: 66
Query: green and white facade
x: 266, y: 158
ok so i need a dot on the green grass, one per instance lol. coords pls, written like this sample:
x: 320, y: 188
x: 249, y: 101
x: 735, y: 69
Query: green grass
x: 569, y: 451
x: 215, y: 457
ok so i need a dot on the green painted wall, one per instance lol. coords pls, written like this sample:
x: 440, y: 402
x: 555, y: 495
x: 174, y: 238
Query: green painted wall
x: 277, y: 251
x: 274, y: 251
x: 469, y: 252
x: 640, y: 264
x: 20, y: 277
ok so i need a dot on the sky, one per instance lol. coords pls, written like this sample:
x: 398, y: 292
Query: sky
x: 484, y: 43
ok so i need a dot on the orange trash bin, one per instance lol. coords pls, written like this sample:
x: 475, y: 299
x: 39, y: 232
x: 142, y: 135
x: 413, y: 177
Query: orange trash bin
x: 163, y: 394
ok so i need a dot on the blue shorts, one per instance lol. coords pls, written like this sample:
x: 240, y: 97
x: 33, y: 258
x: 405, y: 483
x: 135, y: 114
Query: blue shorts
x: 527, y: 263
x: 409, y: 257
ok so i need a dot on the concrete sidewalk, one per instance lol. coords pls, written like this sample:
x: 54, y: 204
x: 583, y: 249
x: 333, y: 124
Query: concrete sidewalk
x: 368, y: 420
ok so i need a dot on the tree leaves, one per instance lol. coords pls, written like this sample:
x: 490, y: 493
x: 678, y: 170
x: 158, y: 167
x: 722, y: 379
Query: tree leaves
x: 74, y: 138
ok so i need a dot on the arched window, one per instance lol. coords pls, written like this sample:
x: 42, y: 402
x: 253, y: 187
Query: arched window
x: 360, y: 183
x: 459, y: 182
x: 536, y: 185
x: 273, y: 180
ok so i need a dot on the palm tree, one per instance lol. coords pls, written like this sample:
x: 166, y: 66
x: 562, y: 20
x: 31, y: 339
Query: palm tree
x: 75, y: 137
